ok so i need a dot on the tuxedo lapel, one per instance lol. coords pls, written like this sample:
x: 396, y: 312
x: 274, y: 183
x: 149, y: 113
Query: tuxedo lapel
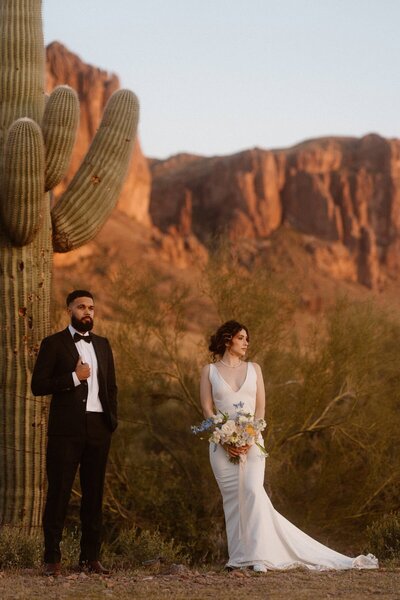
x: 98, y: 348
x: 69, y: 343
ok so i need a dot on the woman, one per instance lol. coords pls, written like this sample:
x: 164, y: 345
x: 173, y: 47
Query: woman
x: 258, y: 536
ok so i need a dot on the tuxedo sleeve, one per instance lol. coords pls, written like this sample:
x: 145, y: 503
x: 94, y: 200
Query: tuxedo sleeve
x: 44, y: 378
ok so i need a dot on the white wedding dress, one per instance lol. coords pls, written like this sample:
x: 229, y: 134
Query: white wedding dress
x: 256, y: 532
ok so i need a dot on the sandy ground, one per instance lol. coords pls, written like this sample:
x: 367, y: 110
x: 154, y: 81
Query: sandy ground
x: 180, y: 583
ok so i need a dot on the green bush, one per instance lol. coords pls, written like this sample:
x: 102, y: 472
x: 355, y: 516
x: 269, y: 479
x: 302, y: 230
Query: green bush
x: 384, y: 537
x: 70, y: 548
x: 133, y: 548
x: 18, y: 549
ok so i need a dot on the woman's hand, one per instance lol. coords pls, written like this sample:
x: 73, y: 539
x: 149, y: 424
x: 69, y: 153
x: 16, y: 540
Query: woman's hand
x: 235, y: 451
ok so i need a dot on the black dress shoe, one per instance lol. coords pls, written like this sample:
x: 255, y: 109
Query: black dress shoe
x: 94, y: 566
x: 52, y: 569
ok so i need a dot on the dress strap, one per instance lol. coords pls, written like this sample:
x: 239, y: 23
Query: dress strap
x: 253, y: 369
x: 211, y: 372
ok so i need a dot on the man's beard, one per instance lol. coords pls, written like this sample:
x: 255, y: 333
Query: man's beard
x: 82, y: 326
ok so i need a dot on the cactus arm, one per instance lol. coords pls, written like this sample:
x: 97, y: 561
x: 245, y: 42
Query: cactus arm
x: 21, y: 61
x: 22, y: 202
x: 59, y: 126
x: 26, y: 232
x: 93, y: 192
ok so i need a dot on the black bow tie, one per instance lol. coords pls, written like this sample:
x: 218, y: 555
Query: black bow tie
x: 78, y: 337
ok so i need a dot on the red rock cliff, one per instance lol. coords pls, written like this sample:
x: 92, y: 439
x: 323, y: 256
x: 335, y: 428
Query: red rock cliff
x: 344, y: 192
x: 94, y: 86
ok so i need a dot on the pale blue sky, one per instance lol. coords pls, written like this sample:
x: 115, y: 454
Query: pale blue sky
x: 218, y: 76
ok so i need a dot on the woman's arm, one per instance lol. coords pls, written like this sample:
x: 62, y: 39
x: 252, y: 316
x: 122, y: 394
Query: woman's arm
x: 260, y: 396
x: 206, y: 400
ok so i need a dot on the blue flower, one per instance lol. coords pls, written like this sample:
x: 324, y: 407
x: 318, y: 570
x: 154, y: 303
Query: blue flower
x: 239, y: 405
x: 204, y: 426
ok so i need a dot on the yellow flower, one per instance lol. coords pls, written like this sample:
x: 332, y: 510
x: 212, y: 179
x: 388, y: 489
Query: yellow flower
x: 250, y: 430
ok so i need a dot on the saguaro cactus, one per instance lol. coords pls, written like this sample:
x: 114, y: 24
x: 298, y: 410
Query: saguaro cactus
x: 35, y: 147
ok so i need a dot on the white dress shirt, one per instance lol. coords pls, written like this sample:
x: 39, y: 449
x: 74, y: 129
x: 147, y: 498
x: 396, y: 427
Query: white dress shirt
x: 88, y: 355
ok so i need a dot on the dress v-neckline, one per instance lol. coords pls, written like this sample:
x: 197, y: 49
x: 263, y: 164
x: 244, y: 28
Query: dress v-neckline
x: 228, y: 384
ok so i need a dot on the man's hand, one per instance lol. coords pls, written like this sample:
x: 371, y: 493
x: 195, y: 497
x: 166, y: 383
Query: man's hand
x: 82, y: 370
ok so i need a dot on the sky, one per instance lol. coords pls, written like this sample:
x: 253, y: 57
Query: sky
x: 220, y: 76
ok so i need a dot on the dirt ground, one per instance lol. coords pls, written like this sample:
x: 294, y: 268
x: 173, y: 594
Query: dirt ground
x: 180, y: 583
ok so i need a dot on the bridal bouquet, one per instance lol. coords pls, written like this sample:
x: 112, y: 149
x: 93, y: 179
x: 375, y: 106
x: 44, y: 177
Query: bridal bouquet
x: 241, y: 430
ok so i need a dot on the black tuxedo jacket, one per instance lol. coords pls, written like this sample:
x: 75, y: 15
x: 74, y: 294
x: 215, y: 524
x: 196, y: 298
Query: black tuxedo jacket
x: 52, y: 374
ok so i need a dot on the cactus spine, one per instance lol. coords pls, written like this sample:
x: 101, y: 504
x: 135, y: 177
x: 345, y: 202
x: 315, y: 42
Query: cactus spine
x: 35, y: 148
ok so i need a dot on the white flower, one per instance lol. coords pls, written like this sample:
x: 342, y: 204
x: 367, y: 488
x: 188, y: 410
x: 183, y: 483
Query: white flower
x: 228, y: 428
x: 218, y: 419
x: 215, y: 437
x: 242, y: 412
x: 261, y: 424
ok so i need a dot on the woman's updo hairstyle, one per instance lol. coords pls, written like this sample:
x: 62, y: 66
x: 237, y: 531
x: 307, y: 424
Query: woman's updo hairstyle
x: 222, y: 337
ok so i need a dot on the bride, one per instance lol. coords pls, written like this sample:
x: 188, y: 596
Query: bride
x: 258, y: 536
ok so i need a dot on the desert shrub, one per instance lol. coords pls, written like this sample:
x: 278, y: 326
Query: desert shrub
x: 133, y: 548
x: 333, y: 431
x: 332, y: 409
x: 19, y: 549
x: 383, y: 537
x: 69, y: 546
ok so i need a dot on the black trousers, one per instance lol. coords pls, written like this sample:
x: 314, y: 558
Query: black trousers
x: 64, y: 455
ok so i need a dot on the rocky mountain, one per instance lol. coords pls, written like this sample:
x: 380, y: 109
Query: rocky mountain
x: 343, y: 193
x: 94, y: 86
x: 340, y: 196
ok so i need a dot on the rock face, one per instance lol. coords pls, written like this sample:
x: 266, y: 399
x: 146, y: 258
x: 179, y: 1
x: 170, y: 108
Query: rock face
x: 94, y: 87
x: 343, y: 192
x: 239, y: 194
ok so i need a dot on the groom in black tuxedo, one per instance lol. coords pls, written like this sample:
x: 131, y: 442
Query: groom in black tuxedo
x: 76, y: 367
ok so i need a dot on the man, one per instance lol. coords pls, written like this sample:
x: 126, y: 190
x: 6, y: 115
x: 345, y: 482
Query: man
x: 77, y: 368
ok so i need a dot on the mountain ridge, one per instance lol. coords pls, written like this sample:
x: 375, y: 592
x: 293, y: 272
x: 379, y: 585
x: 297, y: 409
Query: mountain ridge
x: 340, y: 195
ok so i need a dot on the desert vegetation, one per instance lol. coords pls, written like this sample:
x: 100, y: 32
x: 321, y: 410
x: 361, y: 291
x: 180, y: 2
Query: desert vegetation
x: 332, y: 413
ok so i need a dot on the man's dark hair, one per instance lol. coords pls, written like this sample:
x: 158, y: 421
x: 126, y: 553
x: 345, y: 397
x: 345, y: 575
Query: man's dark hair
x: 78, y: 294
